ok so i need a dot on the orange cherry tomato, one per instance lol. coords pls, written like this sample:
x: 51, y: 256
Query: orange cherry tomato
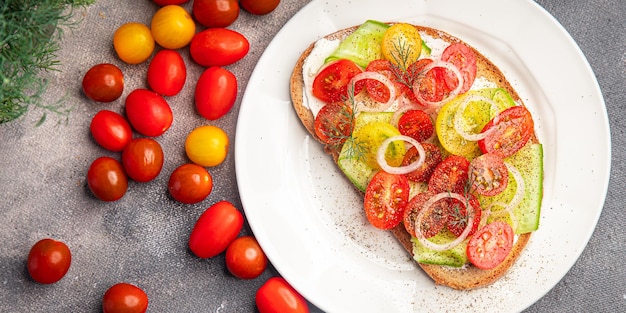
x: 190, y: 183
x: 245, y: 258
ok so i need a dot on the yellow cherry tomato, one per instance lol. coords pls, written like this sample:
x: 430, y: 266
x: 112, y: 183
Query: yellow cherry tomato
x: 207, y: 145
x: 172, y: 27
x: 133, y: 42
x: 402, y: 44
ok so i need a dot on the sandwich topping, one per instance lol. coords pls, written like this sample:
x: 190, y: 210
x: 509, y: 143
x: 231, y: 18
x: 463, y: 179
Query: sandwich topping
x: 434, y: 145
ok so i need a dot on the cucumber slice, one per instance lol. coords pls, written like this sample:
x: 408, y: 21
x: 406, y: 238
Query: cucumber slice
x: 363, y: 45
x: 455, y: 257
x: 529, y: 162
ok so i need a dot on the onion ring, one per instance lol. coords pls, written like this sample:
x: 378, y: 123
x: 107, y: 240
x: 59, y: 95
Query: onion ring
x: 453, y: 93
x: 382, y: 79
x: 380, y: 156
x: 458, y: 117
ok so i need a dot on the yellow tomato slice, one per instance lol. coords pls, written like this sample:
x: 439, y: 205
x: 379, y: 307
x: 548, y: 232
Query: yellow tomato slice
x: 370, y: 137
x: 402, y: 44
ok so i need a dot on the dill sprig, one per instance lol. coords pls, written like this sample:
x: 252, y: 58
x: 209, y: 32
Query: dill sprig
x: 29, y: 34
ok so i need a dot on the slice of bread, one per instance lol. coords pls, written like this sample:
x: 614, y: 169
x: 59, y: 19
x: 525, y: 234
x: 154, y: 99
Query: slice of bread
x: 467, y: 277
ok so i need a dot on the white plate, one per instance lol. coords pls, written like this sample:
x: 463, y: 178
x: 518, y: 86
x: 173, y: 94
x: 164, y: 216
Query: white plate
x: 307, y: 216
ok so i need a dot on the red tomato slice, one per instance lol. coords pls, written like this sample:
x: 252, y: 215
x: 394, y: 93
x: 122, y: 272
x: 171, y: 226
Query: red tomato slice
x: 386, y: 197
x: 423, y: 173
x: 451, y: 175
x: 488, y: 174
x: 331, y: 84
x: 431, y: 224
x: 490, y: 245
x: 457, y: 215
x: 377, y: 90
x: 512, y: 131
x: 431, y: 85
x: 334, y: 123
x: 464, y: 58
x: 416, y: 124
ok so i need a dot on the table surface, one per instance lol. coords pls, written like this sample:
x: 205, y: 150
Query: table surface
x: 142, y: 238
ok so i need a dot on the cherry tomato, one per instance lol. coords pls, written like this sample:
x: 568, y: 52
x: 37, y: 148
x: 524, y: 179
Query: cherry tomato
x: 215, y: 229
x: 464, y: 58
x: 334, y: 123
x: 207, y: 145
x: 431, y: 86
x: 167, y: 73
x: 432, y: 159
x: 512, y: 131
x: 377, y: 90
x: 331, y: 83
x: 488, y: 174
x: 488, y: 247
x: 216, y: 92
x: 450, y: 175
x: 48, y: 261
x: 458, y: 216
x: 433, y: 223
x: 259, y: 7
x: 168, y: 2
x: 103, y: 82
x: 401, y: 44
x: 416, y: 124
x: 142, y: 159
x: 124, y: 298
x: 172, y: 27
x: 133, y: 42
x: 386, y: 197
x: 218, y: 47
x: 106, y: 179
x: 149, y: 114
x: 215, y: 13
x: 277, y: 296
x: 245, y: 258
x: 110, y: 130
x: 190, y: 183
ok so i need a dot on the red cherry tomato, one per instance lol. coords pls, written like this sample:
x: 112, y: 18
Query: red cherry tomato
x: 106, y: 179
x: 488, y: 247
x: 450, y: 175
x: 245, y: 258
x: 431, y: 224
x: 110, y: 130
x: 512, y: 131
x: 103, y: 82
x: 259, y: 7
x: 386, y: 197
x: 216, y: 92
x: 277, y: 296
x: 142, y: 159
x: 48, y: 261
x: 431, y: 85
x: 124, y: 298
x: 334, y: 123
x: 458, y: 215
x: 148, y: 113
x: 488, y: 174
x: 416, y: 124
x: 331, y: 84
x: 215, y: 229
x: 464, y: 58
x: 190, y: 183
x: 218, y: 47
x: 168, y: 2
x: 167, y: 72
x: 215, y: 13
x: 432, y: 159
x: 376, y: 89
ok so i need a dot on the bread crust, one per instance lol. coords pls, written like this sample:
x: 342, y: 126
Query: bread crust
x: 468, y: 277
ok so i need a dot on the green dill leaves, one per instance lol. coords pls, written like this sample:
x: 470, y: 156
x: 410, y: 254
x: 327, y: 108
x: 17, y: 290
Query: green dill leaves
x: 29, y: 35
